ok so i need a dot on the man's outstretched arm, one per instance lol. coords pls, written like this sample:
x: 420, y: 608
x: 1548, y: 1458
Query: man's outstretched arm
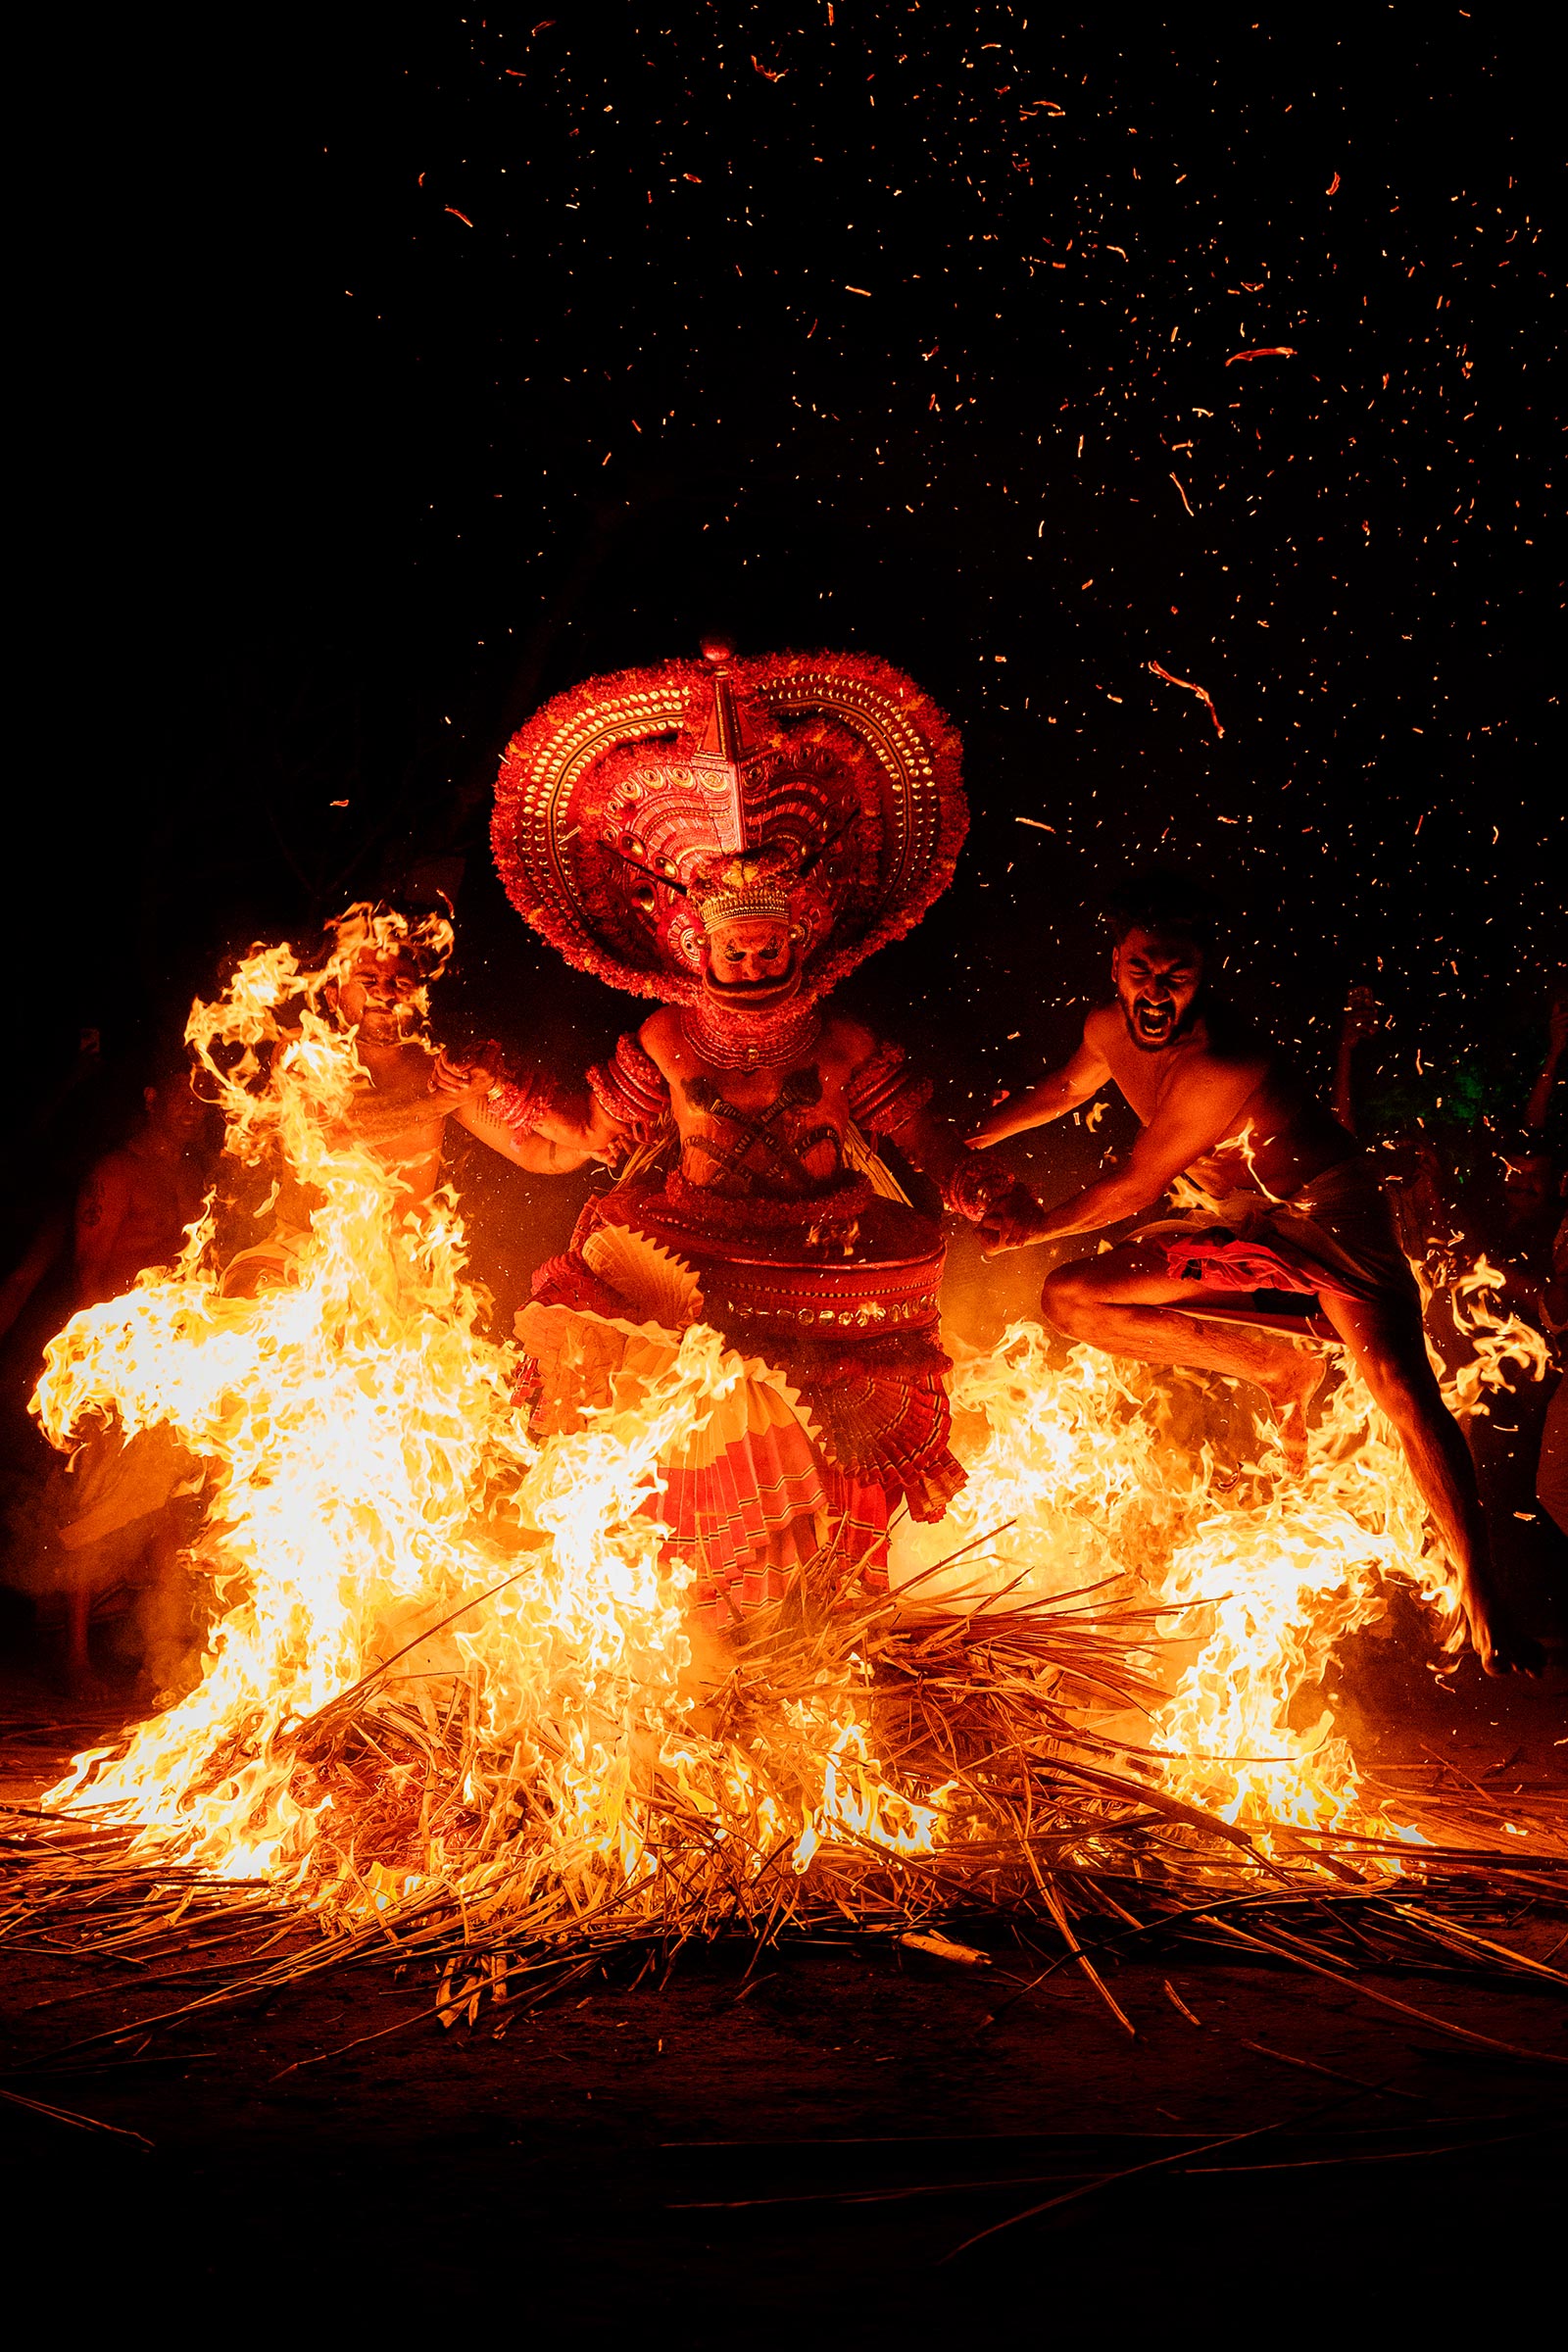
x: 1074, y: 1083
x: 1201, y: 1114
x: 553, y: 1144
x: 546, y: 1129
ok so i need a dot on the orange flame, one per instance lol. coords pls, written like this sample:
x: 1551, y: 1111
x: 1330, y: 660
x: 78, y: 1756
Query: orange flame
x: 369, y: 1477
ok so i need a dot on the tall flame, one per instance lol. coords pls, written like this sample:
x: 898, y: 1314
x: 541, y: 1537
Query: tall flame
x: 371, y: 1485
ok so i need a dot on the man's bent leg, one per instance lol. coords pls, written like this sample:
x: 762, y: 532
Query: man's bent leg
x: 1385, y: 1345
x: 1124, y: 1301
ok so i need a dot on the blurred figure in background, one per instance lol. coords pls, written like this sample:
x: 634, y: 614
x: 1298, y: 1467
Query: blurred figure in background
x: 113, y: 1527
x: 136, y: 1201
x: 1551, y: 1471
x: 1538, y: 1111
x: 36, y: 1193
x: 1361, y: 1020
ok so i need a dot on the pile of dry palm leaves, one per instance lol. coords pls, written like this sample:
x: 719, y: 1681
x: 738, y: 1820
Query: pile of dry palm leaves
x: 993, y: 1715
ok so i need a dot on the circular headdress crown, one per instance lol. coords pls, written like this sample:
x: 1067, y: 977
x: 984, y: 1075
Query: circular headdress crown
x: 637, y: 812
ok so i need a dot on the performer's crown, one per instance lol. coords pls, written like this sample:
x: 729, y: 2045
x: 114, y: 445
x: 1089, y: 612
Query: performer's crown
x: 751, y: 903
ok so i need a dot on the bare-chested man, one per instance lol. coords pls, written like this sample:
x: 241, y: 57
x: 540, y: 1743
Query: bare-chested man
x: 382, y: 965
x: 1298, y: 1210
x: 418, y: 1088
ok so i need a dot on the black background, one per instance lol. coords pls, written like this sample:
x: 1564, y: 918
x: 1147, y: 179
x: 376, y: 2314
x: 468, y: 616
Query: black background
x: 393, y: 373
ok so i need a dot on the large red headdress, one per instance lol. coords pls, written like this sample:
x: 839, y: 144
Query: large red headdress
x: 636, y: 811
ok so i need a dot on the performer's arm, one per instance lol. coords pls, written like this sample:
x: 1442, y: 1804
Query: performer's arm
x: 535, y: 1124
x: 553, y: 1144
x: 102, y: 1206
x: 549, y: 1129
x: 1198, y: 1117
x: 1074, y: 1083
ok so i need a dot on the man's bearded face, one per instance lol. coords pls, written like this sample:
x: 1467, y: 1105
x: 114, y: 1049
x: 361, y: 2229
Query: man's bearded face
x: 378, y: 995
x: 1157, y: 981
x: 752, y: 965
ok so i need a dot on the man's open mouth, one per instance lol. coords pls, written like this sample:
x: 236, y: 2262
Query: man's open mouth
x: 1154, y: 1019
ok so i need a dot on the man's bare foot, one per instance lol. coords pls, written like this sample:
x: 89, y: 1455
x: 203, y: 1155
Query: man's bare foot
x: 1289, y: 1394
x: 1503, y: 1646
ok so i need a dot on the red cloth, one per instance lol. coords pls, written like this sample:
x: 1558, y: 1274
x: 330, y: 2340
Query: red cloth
x: 853, y: 1330
x: 746, y: 1520
x: 1336, y: 1238
x: 1223, y: 1262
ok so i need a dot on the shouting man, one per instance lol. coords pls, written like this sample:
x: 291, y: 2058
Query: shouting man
x: 1298, y: 1210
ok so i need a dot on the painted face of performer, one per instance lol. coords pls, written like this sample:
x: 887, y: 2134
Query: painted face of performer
x: 752, y: 963
x: 1158, y: 980
x: 377, y: 996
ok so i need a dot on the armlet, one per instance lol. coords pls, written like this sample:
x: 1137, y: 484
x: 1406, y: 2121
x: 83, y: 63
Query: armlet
x: 519, y: 1103
x: 631, y: 1087
x: 885, y: 1094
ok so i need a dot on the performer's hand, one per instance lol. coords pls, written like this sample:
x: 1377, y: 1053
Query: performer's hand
x: 459, y: 1081
x: 1012, y: 1222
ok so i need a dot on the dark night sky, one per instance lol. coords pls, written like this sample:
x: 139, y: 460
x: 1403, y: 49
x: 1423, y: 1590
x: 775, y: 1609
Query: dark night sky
x: 414, y: 366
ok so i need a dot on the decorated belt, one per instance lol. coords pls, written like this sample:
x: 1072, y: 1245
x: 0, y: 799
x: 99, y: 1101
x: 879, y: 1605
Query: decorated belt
x: 873, y: 1296
x: 882, y: 1277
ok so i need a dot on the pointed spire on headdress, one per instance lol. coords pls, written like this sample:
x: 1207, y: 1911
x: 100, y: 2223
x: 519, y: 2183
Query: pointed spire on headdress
x: 725, y: 749
x: 725, y: 731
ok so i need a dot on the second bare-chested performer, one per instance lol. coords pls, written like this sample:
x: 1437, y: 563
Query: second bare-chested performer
x: 1297, y: 1211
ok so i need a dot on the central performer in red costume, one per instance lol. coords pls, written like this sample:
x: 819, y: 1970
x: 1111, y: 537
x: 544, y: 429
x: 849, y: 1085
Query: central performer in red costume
x: 732, y: 838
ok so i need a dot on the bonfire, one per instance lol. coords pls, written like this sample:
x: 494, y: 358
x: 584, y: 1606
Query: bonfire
x: 448, y: 1707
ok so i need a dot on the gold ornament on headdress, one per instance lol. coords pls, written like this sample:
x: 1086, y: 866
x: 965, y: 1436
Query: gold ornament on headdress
x: 744, y: 896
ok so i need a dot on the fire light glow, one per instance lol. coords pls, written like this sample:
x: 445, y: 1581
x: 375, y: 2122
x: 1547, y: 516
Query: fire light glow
x: 448, y: 1657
